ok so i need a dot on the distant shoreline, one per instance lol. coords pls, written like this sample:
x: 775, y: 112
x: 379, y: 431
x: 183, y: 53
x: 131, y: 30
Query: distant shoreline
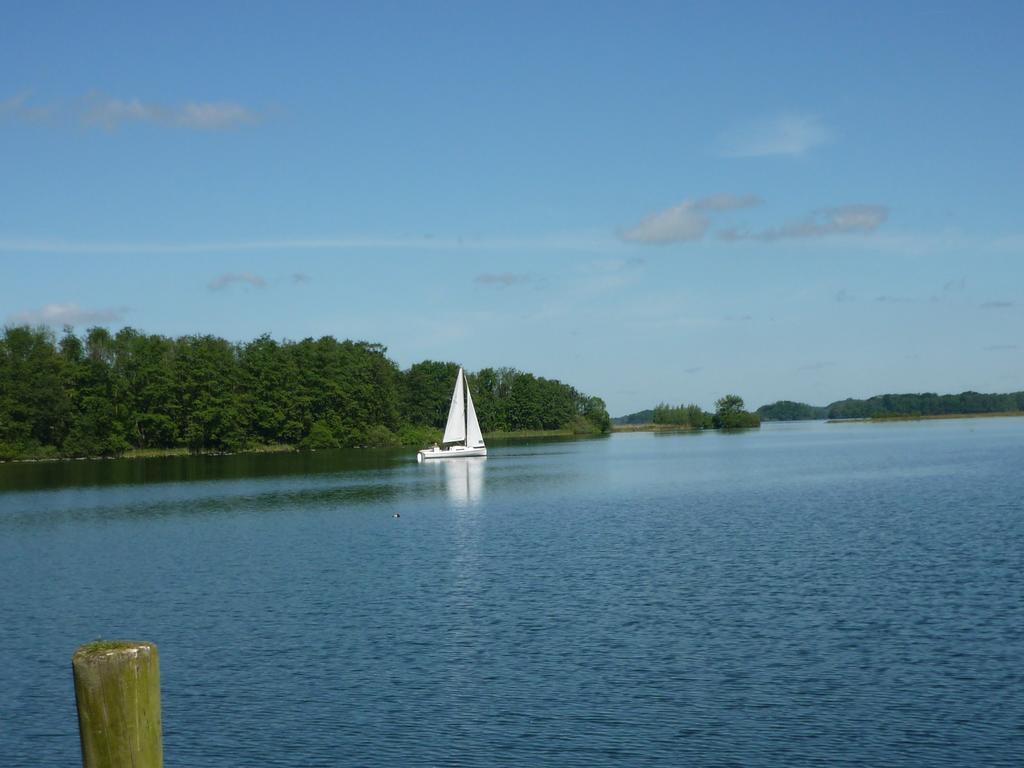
x: 927, y: 417
x: 181, y: 451
x: 169, y: 453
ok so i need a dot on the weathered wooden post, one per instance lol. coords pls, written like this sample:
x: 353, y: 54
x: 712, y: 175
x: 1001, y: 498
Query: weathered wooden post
x: 117, y: 689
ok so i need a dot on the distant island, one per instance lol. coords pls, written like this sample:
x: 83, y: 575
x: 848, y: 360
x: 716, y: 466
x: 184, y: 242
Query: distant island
x: 107, y: 394
x: 898, y: 406
x: 926, y: 405
x: 729, y: 413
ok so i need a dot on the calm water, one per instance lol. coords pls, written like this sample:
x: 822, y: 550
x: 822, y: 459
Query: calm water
x: 809, y: 594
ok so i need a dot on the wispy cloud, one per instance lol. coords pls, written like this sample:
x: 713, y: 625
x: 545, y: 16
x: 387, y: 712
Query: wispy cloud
x: 842, y: 296
x: 844, y: 220
x: 298, y: 278
x: 787, y: 134
x: 959, y: 284
x: 19, y: 109
x: 100, y: 110
x: 685, y: 222
x: 109, y: 112
x: 587, y: 242
x: 681, y: 223
x: 885, y: 299
x: 233, y: 278
x: 998, y: 304
x: 727, y: 202
x: 504, y: 279
x: 66, y: 314
x: 695, y: 369
x: 1000, y: 347
x: 213, y: 115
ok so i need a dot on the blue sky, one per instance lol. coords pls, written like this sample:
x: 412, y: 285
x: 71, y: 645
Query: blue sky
x: 651, y: 201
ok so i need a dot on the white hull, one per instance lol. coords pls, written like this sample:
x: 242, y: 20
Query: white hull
x: 451, y: 452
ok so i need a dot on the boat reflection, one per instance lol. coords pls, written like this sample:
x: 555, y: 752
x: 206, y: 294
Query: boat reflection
x: 464, y: 480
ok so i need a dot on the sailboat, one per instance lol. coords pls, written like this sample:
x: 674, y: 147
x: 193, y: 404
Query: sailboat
x: 462, y: 436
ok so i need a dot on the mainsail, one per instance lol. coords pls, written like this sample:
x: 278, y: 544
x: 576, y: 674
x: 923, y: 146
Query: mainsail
x: 474, y: 437
x: 455, y: 429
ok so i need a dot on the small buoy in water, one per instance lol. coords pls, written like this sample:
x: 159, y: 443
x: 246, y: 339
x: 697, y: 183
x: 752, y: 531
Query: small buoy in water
x: 396, y: 515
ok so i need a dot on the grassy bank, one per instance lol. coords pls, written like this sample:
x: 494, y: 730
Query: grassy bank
x: 654, y: 428
x: 159, y: 453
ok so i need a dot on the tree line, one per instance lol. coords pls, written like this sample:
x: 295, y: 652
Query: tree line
x: 729, y: 414
x: 104, y: 393
x: 896, y: 405
x: 788, y: 410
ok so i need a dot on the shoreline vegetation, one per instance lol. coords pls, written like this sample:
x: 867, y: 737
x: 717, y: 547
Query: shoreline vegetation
x: 145, y: 395
x: 729, y: 414
x: 929, y: 417
x: 890, y: 407
x: 652, y: 427
x: 899, y: 406
x: 181, y: 451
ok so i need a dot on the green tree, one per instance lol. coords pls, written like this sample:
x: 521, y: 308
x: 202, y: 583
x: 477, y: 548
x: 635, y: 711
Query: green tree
x: 427, y: 390
x: 211, y: 415
x: 729, y: 414
x: 34, y: 404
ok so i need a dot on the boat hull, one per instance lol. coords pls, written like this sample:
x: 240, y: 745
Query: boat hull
x: 452, y: 452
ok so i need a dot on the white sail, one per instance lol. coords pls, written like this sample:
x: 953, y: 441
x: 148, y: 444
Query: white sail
x: 473, y: 435
x: 455, y: 429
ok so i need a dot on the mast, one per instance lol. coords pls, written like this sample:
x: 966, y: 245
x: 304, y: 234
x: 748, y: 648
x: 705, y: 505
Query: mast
x: 465, y: 406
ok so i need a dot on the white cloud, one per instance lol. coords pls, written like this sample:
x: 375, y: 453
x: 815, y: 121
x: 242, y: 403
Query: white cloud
x: 788, y: 134
x: 727, y: 202
x: 844, y: 220
x: 109, y: 113
x: 231, y: 278
x: 686, y: 221
x: 66, y: 314
x: 997, y: 305
x: 213, y: 115
x: 18, y: 108
x: 680, y: 223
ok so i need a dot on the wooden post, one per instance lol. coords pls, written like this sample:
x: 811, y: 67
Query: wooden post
x: 117, y: 689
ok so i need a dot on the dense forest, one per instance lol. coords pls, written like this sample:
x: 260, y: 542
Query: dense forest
x: 691, y: 416
x: 884, y: 406
x: 640, y: 417
x: 103, y: 394
x: 787, y: 410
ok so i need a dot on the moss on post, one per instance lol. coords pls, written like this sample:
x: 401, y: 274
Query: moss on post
x: 117, y: 689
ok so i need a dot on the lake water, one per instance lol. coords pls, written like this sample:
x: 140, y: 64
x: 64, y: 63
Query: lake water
x: 809, y: 594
